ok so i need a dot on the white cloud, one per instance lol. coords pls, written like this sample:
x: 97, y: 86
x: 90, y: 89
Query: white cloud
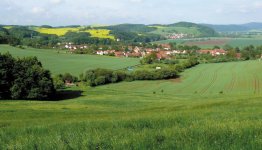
x: 37, y: 10
x: 56, y: 1
x: 84, y: 12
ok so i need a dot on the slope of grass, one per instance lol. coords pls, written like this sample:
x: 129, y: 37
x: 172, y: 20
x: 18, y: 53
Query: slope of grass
x: 163, y: 30
x: 61, y: 62
x: 190, y: 113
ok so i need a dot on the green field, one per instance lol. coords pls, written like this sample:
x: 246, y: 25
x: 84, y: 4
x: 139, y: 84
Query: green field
x: 65, y: 62
x: 163, y: 30
x: 212, y: 106
x: 241, y: 42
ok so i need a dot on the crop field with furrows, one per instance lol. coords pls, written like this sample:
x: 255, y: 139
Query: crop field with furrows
x: 223, y: 79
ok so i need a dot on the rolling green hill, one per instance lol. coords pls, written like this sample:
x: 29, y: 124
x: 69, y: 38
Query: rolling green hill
x: 126, y: 33
x: 162, y: 30
x: 193, y: 29
x: 236, y: 27
x: 64, y: 62
x: 137, y: 28
x: 213, y: 106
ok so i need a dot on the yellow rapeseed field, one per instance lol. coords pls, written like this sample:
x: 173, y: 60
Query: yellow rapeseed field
x: 56, y: 31
x: 99, y: 33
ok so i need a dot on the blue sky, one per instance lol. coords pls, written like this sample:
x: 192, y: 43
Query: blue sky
x: 86, y: 12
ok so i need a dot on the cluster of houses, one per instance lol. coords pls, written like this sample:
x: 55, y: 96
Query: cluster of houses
x: 177, y: 36
x: 165, y: 52
x: 215, y: 52
x: 72, y: 47
x: 161, y: 54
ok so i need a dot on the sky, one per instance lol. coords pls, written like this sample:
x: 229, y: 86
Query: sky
x: 109, y: 12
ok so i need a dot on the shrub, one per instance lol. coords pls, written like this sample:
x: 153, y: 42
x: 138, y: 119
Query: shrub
x: 58, y: 82
x: 67, y: 77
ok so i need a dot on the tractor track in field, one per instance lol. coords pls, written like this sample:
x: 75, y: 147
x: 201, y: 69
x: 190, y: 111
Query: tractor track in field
x: 233, y: 79
x: 251, y: 84
x: 213, y: 80
x: 256, y: 84
x: 194, y: 81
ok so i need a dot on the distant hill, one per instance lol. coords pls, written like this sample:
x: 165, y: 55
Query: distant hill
x: 196, y: 30
x: 236, y: 28
x: 137, y: 28
x: 253, y: 26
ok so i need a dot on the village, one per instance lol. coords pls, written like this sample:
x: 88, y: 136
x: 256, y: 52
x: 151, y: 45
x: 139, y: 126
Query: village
x: 163, y: 51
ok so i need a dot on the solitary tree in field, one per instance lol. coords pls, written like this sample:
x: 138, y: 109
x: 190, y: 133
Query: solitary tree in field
x: 24, y: 79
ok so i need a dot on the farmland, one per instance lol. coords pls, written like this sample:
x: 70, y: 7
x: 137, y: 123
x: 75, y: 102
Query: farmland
x: 56, y: 31
x: 99, y: 33
x: 62, y: 62
x: 212, y: 106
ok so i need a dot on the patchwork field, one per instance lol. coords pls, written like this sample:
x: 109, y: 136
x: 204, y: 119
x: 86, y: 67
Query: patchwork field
x: 212, y: 106
x: 62, y: 62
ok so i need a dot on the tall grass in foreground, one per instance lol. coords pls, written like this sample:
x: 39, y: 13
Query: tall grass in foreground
x: 205, y: 126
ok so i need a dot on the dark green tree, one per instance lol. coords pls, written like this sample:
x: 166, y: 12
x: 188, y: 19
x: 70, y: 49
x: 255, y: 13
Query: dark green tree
x: 31, y: 81
x: 7, y: 63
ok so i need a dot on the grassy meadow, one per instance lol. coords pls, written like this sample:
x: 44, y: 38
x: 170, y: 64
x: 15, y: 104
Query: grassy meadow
x: 212, y: 106
x: 62, y: 62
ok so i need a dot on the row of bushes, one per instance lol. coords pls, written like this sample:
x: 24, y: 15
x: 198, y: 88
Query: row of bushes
x: 97, y: 77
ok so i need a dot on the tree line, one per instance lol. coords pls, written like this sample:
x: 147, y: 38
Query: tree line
x: 96, y: 77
